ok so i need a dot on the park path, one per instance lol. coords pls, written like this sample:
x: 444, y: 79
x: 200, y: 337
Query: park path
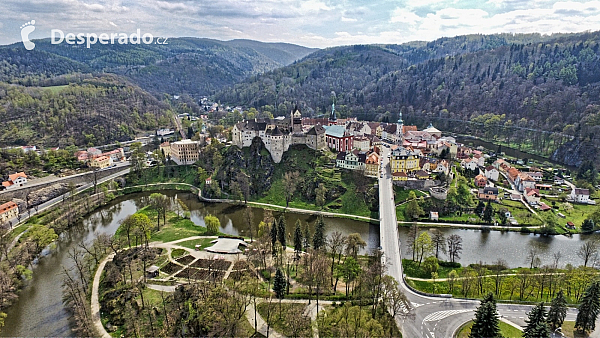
x: 95, y: 304
x: 485, y: 276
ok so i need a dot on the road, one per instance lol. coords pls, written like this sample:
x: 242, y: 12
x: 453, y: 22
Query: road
x: 50, y: 203
x: 429, y: 317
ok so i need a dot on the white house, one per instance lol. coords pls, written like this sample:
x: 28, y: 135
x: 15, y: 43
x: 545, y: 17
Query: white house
x: 492, y: 173
x: 468, y: 163
x: 15, y: 180
x: 351, y: 160
x: 580, y: 195
x: 479, y: 159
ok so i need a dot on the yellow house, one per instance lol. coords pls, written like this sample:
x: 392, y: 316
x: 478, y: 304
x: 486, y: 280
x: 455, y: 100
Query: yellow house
x: 165, y: 147
x: 404, y: 160
x: 399, y: 176
x: 101, y: 162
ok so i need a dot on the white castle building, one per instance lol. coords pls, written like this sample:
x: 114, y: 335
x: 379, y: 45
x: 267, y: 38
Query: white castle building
x: 278, y: 134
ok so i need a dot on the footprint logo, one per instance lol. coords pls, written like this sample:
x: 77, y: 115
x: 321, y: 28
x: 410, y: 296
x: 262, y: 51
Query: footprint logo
x: 27, y: 29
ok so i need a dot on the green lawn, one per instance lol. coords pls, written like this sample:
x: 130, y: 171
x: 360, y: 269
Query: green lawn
x: 568, y: 329
x: 191, y: 244
x: 55, y: 89
x: 506, y: 330
x: 176, y: 253
x: 279, y: 314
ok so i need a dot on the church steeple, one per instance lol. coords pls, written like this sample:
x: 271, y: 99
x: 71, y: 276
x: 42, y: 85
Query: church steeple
x: 332, y: 117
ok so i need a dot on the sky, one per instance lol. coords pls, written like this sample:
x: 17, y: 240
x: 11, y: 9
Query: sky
x: 311, y: 23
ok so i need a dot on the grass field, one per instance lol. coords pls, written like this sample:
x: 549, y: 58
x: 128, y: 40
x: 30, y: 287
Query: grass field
x: 191, y: 244
x: 507, y: 331
x: 55, y: 89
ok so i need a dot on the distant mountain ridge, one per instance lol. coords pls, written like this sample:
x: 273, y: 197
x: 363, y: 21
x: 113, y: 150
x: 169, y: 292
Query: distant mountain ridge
x: 192, y: 66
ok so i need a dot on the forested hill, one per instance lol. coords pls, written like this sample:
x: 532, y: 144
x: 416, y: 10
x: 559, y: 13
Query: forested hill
x: 92, y: 110
x: 190, y: 66
x: 520, y: 82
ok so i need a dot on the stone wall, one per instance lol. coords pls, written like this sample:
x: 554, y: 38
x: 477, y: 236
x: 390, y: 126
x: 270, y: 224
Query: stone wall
x: 417, y: 184
x: 79, y: 179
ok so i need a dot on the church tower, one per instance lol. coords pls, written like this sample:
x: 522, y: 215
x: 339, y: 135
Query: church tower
x: 399, y: 130
x: 332, y: 117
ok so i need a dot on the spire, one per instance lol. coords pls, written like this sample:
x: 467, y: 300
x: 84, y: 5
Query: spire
x: 400, y: 122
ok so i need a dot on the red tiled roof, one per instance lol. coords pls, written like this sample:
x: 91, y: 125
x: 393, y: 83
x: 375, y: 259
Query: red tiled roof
x: 7, y: 207
x: 13, y: 177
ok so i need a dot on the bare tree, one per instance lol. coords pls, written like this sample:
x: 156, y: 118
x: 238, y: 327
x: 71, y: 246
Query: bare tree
x: 335, y: 246
x: 290, y: 182
x: 454, y: 247
x: 498, y: 266
x: 439, y: 242
x: 413, y: 233
x: 533, y: 256
x: 249, y: 218
x: 587, y: 251
x: 244, y: 184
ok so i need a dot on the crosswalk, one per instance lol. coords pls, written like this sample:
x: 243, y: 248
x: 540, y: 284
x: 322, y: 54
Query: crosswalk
x: 432, y: 317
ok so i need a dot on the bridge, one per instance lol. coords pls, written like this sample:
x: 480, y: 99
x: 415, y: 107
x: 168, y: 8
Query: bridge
x: 430, y: 317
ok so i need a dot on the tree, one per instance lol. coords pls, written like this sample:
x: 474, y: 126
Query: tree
x: 424, y: 246
x: 589, y: 308
x: 558, y: 311
x: 567, y: 207
x: 41, y: 236
x: 212, y: 224
x: 454, y: 247
x: 354, y: 243
x: 335, y: 246
x: 137, y: 159
x: 306, y: 237
x: 587, y: 251
x: 413, y: 210
x: 430, y: 265
x: 488, y: 213
x: 290, y: 182
x: 486, y: 319
x: 279, y: 284
x: 412, y: 195
x: 244, y: 185
x: 349, y: 270
x: 321, y: 195
x: 249, y: 217
x: 282, y: 231
x: 588, y: 225
x: 413, y: 234
x: 273, y: 235
x: 536, y: 323
x: 319, y: 237
x: 160, y: 203
x: 439, y: 241
x: 479, y: 209
x: 297, y: 238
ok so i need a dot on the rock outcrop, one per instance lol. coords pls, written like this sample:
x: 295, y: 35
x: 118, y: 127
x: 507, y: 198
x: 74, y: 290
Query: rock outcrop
x: 45, y: 194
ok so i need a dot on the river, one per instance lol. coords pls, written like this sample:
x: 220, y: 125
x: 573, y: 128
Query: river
x: 39, y: 310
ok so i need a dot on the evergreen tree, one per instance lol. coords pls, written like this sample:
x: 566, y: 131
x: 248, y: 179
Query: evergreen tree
x: 588, y: 225
x: 536, y: 323
x: 319, y: 238
x: 297, y: 237
x: 558, y: 311
x: 279, y: 284
x: 273, y: 234
x: 486, y: 319
x: 306, y: 238
x: 480, y: 207
x: 589, y: 308
x: 281, y: 231
x: 488, y: 213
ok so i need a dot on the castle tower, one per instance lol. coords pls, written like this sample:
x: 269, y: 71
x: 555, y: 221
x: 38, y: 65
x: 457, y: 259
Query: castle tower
x: 276, y: 145
x: 296, y: 118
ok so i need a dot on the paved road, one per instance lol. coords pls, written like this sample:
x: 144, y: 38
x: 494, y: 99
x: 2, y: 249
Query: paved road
x: 429, y: 317
x: 50, y: 203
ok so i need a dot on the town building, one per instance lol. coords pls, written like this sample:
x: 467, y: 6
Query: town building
x: 165, y: 147
x: 101, y: 162
x: 580, y: 195
x: 399, y: 176
x: 353, y: 160
x: 532, y: 196
x: 361, y: 143
x: 469, y: 164
x: 337, y: 138
x: 404, y: 160
x: 491, y: 173
x: 185, y: 152
x: 8, y: 211
x: 488, y: 193
x: 480, y: 181
x: 15, y: 180
x: 372, y: 164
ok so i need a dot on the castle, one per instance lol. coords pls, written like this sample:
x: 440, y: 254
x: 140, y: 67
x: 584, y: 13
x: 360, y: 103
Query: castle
x: 278, y: 134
